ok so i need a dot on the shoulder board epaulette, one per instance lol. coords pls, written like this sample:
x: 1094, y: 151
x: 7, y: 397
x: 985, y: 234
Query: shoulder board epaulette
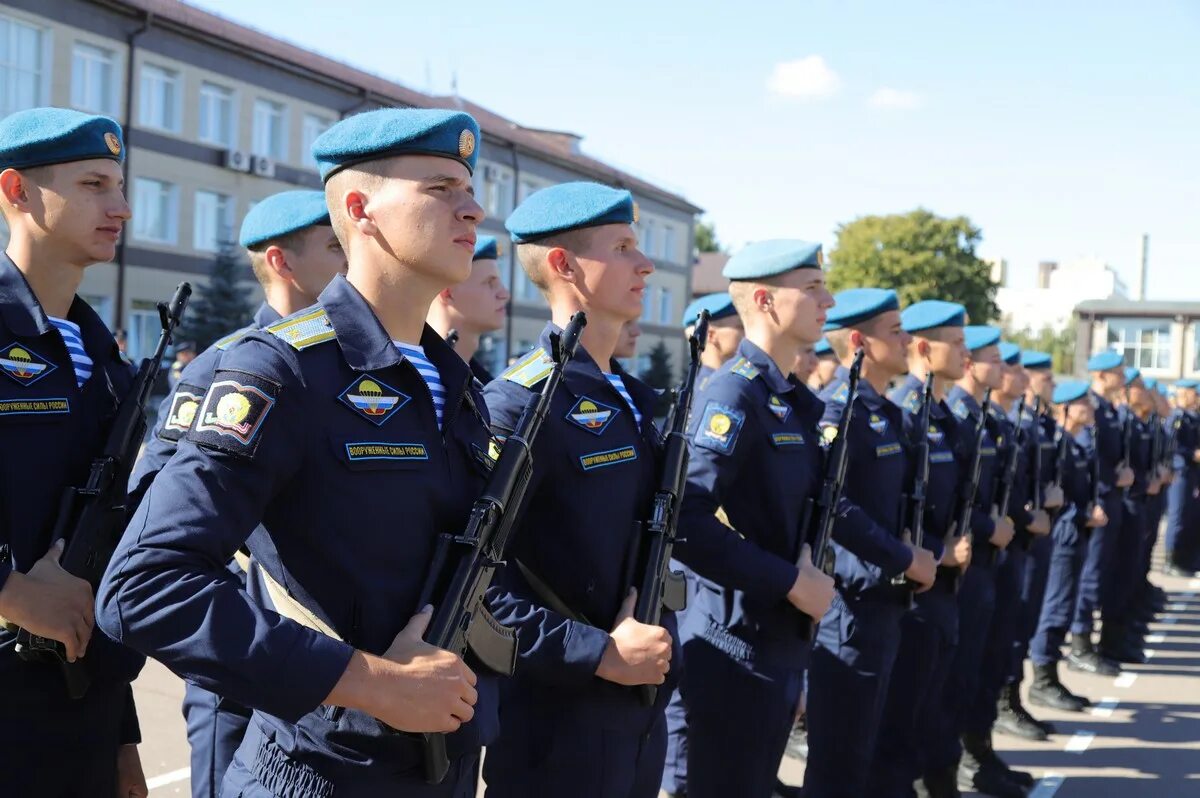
x: 530, y: 370
x: 307, y: 329
x: 911, y: 400
x: 744, y: 368
x: 842, y: 393
x: 959, y: 408
x: 232, y: 338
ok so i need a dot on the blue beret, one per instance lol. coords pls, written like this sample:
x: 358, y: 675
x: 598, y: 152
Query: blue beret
x: 388, y: 132
x: 570, y: 206
x: 768, y: 258
x: 1190, y: 384
x: 1010, y: 353
x: 486, y: 248
x: 856, y: 305
x: 1162, y: 389
x: 1069, y: 391
x: 719, y: 306
x: 822, y: 347
x: 931, y: 313
x: 45, y: 136
x: 1150, y: 383
x: 1036, y: 360
x: 1103, y: 361
x: 1132, y: 374
x: 283, y: 213
x: 978, y: 336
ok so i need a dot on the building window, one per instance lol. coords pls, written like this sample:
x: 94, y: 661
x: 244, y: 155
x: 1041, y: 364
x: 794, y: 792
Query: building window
x: 213, y: 226
x: 665, y: 306
x: 270, y: 130
x: 523, y: 288
x: 649, y: 238
x: 312, y: 127
x: 649, y: 303
x: 668, y: 243
x: 93, y: 79
x: 158, y: 103
x: 1144, y: 343
x: 143, y: 332
x: 101, y: 304
x: 494, y: 190
x: 155, y: 211
x: 23, y: 50
x: 217, y: 116
x: 527, y: 187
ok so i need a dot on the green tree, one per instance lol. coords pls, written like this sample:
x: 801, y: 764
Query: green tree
x: 920, y: 255
x: 659, y: 374
x: 706, y: 237
x: 1060, y: 344
x: 220, y: 306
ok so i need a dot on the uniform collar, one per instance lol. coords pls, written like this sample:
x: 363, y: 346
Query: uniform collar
x: 265, y: 315
x: 582, y: 375
x: 768, y: 369
x: 367, y: 346
x: 959, y: 394
x: 866, y: 391
x: 25, y: 317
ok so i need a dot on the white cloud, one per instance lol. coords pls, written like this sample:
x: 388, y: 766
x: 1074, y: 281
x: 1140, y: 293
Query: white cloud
x: 894, y: 98
x: 806, y: 78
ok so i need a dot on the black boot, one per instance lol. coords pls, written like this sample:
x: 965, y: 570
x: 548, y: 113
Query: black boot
x: 1048, y: 691
x: 1120, y: 644
x: 786, y: 790
x: 972, y: 775
x: 1011, y: 717
x: 978, y: 748
x: 1083, y: 657
x: 940, y: 784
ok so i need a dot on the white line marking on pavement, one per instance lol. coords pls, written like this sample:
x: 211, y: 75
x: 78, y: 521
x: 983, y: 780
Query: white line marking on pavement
x: 1105, y: 708
x: 1047, y: 786
x: 1080, y: 742
x: 1149, y: 654
x: 1195, y: 583
x: 1177, y: 607
x: 1170, y: 619
x: 168, y: 778
x: 1156, y: 638
x: 1125, y: 680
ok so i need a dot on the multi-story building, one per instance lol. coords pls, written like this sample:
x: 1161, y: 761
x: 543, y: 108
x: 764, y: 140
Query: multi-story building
x: 218, y: 115
x: 1059, y: 289
x: 1160, y: 338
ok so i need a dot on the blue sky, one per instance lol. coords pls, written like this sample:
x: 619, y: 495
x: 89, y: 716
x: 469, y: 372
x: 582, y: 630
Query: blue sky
x: 1060, y: 128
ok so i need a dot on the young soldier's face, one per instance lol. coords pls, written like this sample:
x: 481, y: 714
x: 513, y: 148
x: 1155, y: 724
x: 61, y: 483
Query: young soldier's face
x: 725, y: 335
x: 806, y: 363
x: 948, y: 353
x: 631, y: 331
x: 986, y: 366
x: 426, y: 214
x: 1082, y: 412
x: 801, y: 302
x: 1041, y: 382
x: 887, y: 342
x: 1013, y: 382
x: 613, y: 272
x: 481, y: 301
x: 315, y: 262
x: 80, y: 206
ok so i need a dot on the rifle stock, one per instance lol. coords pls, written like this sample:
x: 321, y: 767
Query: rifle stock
x: 916, y: 500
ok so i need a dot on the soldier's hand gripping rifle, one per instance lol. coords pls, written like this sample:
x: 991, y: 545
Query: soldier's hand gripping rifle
x: 660, y: 587
x: 817, y: 519
x: 1008, y: 476
x: 464, y: 565
x: 91, y: 518
x: 916, y: 500
x: 971, y: 487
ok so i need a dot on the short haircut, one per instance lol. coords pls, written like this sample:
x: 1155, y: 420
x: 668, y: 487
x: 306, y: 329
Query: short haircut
x: 295, y: 242
x: 532, y: 255
x: 365, y: 177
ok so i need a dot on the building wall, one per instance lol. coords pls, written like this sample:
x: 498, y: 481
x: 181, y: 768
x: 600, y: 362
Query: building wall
x: 180, y: 157
x: 1164, y: 347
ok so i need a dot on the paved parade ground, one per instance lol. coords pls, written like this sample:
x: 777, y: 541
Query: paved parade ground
x: 1142, y: 737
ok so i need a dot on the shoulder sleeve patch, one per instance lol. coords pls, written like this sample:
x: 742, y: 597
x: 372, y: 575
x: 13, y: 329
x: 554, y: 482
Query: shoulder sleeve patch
x: 911, y: 400
x: 719, y: 427
x: 842, y: 393
x: 530, y: 370
x: 184, y: 404
x: 744, y: 368
x: 307, y: 329
x: 959, y: 408
x: 231, y: 417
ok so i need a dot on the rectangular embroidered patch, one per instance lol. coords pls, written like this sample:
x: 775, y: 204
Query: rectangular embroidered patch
x: 182, y: 412
x: 787, y: 439
x: 887, y: 450
x: 607, y: 458
x: 233, y: 412
x: 34, y: 407
x: 370, y: 450
x: 941, y: 457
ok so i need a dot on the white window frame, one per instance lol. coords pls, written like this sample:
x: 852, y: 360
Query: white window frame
x: 212, y: 89
x: 1133, y: 348
x: 494, y: 189
x: 10, y: 71
x: 529, y: 185
x: 311, y: 126
x: 649, y: 237
x: 666, y: 305
x: 169, y: 210
x: 669, y: 243
x: 275, y: 150
x: 85, y: 59
x: 142, y: 330
x: 157, y: 110
x: 207, y: 207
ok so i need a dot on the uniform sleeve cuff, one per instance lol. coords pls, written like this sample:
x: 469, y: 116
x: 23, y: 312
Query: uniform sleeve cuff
x: 320, y: 662
x: 583, y: 650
